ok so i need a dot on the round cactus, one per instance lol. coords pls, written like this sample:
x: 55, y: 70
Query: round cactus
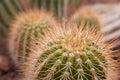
x: 87, y: 18
x: 26, y: 27
x: 68, y: 53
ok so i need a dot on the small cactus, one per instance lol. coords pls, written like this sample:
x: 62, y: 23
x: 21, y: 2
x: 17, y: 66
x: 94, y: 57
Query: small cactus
x: 87, y: 18
x: 68, y: 53
x: 26, y: 27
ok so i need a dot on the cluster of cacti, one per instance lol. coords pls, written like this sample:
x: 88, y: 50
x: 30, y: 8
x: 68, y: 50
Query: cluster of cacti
x: 66, y: 53
x: 26, y: 27
x: 48, y: 51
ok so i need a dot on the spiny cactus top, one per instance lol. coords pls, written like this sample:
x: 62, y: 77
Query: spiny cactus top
x: 28, y: 25
x: 86, y: 18
x: 69, y: 53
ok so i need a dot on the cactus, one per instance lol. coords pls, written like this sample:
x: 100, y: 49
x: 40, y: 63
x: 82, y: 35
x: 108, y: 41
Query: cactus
x: 87, y: 18
x: 68, y: 53
x: 26, y: 27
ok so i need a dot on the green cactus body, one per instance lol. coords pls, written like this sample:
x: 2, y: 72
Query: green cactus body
x: 68, y: 54
x: 64, y: 64
x: 26, y: 28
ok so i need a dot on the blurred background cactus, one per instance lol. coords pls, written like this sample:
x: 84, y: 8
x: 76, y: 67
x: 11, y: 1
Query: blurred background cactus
x: 26, y: 27
x: 86, y: 17
x: 59, y: 7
